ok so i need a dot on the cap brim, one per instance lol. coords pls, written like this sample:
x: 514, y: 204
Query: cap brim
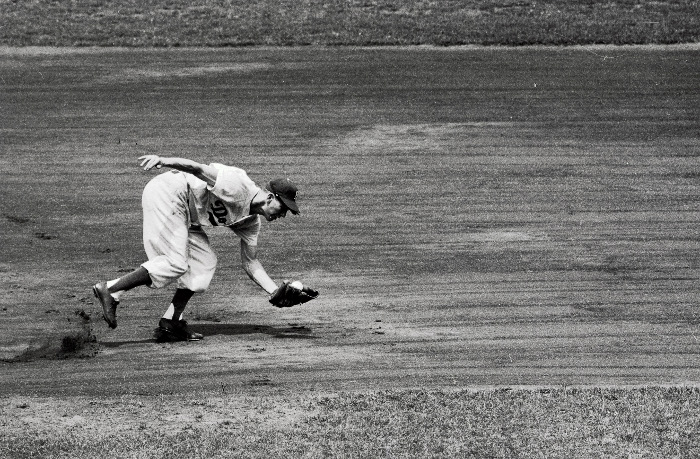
x: 291, y: 205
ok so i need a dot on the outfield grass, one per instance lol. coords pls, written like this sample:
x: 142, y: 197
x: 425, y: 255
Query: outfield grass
x: 343, y: 22
x: 659, y: 422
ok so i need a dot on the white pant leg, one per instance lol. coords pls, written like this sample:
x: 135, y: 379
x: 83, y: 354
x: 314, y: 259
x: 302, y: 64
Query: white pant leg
x: 174, y: 250
x: 165, y: 228
x: 202, y: 262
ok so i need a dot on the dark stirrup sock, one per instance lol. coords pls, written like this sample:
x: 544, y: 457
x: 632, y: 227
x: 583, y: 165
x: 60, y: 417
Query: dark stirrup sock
x: 180, y: 299
x: 135, y: 278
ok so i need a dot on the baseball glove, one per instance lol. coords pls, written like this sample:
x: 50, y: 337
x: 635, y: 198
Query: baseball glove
x: 288, y: 295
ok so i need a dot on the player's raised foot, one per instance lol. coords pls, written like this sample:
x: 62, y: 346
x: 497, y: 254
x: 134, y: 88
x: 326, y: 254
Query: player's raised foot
x: 175, y: 330
x: 109, y: 304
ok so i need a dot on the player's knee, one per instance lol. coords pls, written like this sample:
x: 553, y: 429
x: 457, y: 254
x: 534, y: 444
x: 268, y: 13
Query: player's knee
x: 198, y: 284
x: 178, y: 266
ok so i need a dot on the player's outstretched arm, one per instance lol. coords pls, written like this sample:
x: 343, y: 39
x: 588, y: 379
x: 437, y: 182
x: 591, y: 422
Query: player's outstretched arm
x: 254, y: 269
x: 286, y: 295
x: 203, y: 172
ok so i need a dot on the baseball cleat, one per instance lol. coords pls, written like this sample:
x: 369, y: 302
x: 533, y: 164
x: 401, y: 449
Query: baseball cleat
x: 175, y: 330
x: 109, y: 304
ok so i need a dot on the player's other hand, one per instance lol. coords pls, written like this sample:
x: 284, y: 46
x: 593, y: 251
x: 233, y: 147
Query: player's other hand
x: 148, y: 162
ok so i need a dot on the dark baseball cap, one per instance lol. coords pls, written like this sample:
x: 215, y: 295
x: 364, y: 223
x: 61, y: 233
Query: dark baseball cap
x: 286, y: 191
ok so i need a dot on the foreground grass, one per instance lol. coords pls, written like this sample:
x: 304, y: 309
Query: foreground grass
x: 641, y: 423
x: 343, y: 22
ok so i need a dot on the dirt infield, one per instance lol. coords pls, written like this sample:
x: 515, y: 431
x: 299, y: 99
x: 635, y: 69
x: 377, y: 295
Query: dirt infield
x: 471, y: 217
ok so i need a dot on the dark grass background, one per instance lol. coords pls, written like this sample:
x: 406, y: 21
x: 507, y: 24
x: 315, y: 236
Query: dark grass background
x: 346, y: 22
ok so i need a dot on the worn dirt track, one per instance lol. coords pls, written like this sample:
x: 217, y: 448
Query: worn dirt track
x: 471, y: 217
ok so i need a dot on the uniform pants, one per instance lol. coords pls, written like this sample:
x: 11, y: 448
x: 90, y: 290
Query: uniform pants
x: 176, y: 251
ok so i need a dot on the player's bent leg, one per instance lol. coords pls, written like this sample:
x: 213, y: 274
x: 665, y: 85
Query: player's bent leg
x: 201, y: 261
x: 107, y: 292
x: 139, y: 276
x: 165, y: 228
x: 164, y: 270
x: 201, y: 267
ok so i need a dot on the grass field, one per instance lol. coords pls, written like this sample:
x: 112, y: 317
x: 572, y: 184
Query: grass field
x: 343, y: 23
x: 504, y: 423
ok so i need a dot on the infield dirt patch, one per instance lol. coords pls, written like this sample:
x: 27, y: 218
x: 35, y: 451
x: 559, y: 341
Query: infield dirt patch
x: 471, y: 217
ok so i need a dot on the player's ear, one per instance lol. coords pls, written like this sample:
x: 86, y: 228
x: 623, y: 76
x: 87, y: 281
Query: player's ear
x: 270, y: 197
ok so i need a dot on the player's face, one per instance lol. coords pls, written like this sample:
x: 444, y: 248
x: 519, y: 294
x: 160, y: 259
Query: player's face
x: 274, y: 209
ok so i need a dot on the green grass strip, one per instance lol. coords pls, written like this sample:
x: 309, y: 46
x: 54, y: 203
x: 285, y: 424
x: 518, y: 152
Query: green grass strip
x: 653, y: 422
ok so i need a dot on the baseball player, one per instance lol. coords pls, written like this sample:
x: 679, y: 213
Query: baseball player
x: 177, y: 206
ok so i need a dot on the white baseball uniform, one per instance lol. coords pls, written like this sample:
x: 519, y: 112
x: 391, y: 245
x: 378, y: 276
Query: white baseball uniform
x: 176, y: 208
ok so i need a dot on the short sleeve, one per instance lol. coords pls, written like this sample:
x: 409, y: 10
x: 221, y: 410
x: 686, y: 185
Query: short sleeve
x: 233, y: 185
x: 248, y: 232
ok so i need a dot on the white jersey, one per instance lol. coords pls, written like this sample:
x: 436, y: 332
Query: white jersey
x: 227, y: 203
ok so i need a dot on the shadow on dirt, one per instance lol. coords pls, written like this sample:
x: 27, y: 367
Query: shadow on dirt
x: 293, y: 331
x: 124, y: 343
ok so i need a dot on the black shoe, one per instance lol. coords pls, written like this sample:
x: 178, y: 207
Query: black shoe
x: 176, y: 330
x: 109, y: 304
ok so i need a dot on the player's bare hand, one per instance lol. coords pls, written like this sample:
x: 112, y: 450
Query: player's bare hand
x: 148, y: 162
